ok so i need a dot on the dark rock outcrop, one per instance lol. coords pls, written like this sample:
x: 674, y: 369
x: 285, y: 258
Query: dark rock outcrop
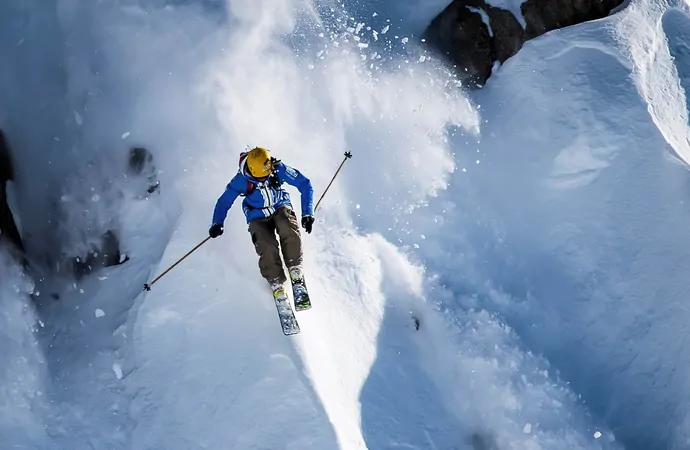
x: 106, y: 252
x: 9, y: 233
x: 542, y: 16
x: 482, y: 441
x: 95, y: 247
x: 474, y: 35
x: 141, y: 165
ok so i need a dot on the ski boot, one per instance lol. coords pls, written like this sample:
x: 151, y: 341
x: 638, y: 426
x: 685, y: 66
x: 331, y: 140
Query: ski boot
x: 299, y: 289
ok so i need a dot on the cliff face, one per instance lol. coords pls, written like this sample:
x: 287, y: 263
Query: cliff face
x: 8, y: 228
x: 474, y: 34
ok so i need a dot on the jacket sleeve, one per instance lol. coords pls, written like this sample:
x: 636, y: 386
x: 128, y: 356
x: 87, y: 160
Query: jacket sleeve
x: 225, y: 201
x: 295, y: 178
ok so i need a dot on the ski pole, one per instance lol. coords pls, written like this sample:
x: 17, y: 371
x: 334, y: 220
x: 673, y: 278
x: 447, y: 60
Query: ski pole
x: 147, y: 287
x: 348, y: 155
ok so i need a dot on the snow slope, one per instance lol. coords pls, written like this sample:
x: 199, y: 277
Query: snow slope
x: 23, y: 371
x: 514, y: 226
x: 573, y: 214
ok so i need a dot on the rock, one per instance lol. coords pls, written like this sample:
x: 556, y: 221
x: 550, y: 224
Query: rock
x: 141, y: 181
x: 107, y: 254
x: 546, y: 15
x: 141, y: 166
x: 473, y: 35
x: 461, y: 34
x: 508, y: 35
x: 8, y: 228
x: 139, y: 159
x: 482, y: 441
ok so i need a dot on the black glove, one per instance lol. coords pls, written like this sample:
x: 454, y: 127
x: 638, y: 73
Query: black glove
x: 307, y: 222
x: 215, y: 230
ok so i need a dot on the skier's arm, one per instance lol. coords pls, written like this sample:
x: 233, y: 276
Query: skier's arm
x: 225, y: 201
x: 295, y: 178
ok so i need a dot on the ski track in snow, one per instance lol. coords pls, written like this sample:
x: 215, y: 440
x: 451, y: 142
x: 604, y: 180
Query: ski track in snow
x: 523, y: 340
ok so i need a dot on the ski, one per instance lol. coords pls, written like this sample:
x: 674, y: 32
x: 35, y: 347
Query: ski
x: 288, y: 321
x: 299, y: 289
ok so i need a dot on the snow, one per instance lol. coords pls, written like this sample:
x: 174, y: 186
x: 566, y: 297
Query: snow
x: 117, y: 369
x: 23, y: 371
x: 544, y: 275
x: 414, y: 15
x: 573, y: 227
x: 661, y: 69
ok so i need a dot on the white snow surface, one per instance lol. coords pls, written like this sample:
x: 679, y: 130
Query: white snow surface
x: 535, y: 228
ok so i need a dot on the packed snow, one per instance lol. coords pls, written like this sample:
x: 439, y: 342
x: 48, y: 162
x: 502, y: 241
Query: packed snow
x: 500, y: 269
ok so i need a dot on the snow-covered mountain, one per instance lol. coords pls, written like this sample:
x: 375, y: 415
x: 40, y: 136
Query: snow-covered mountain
x: 534, y: 228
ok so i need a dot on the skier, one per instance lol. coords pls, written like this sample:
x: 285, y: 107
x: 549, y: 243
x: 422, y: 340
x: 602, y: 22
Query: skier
x: 268, y: 210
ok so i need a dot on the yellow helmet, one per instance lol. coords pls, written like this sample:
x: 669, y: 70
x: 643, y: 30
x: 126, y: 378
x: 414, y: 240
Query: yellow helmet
x: 259, y: 162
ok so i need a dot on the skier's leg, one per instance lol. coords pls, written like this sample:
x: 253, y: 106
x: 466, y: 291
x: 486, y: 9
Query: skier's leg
x: 291, y: 244
x: 290, y: 238
x: 263, y: 236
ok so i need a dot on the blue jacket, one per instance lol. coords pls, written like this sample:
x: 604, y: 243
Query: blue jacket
x: 262, y: 198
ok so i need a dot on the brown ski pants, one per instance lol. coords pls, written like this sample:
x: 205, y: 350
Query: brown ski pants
x: 263, y: 232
